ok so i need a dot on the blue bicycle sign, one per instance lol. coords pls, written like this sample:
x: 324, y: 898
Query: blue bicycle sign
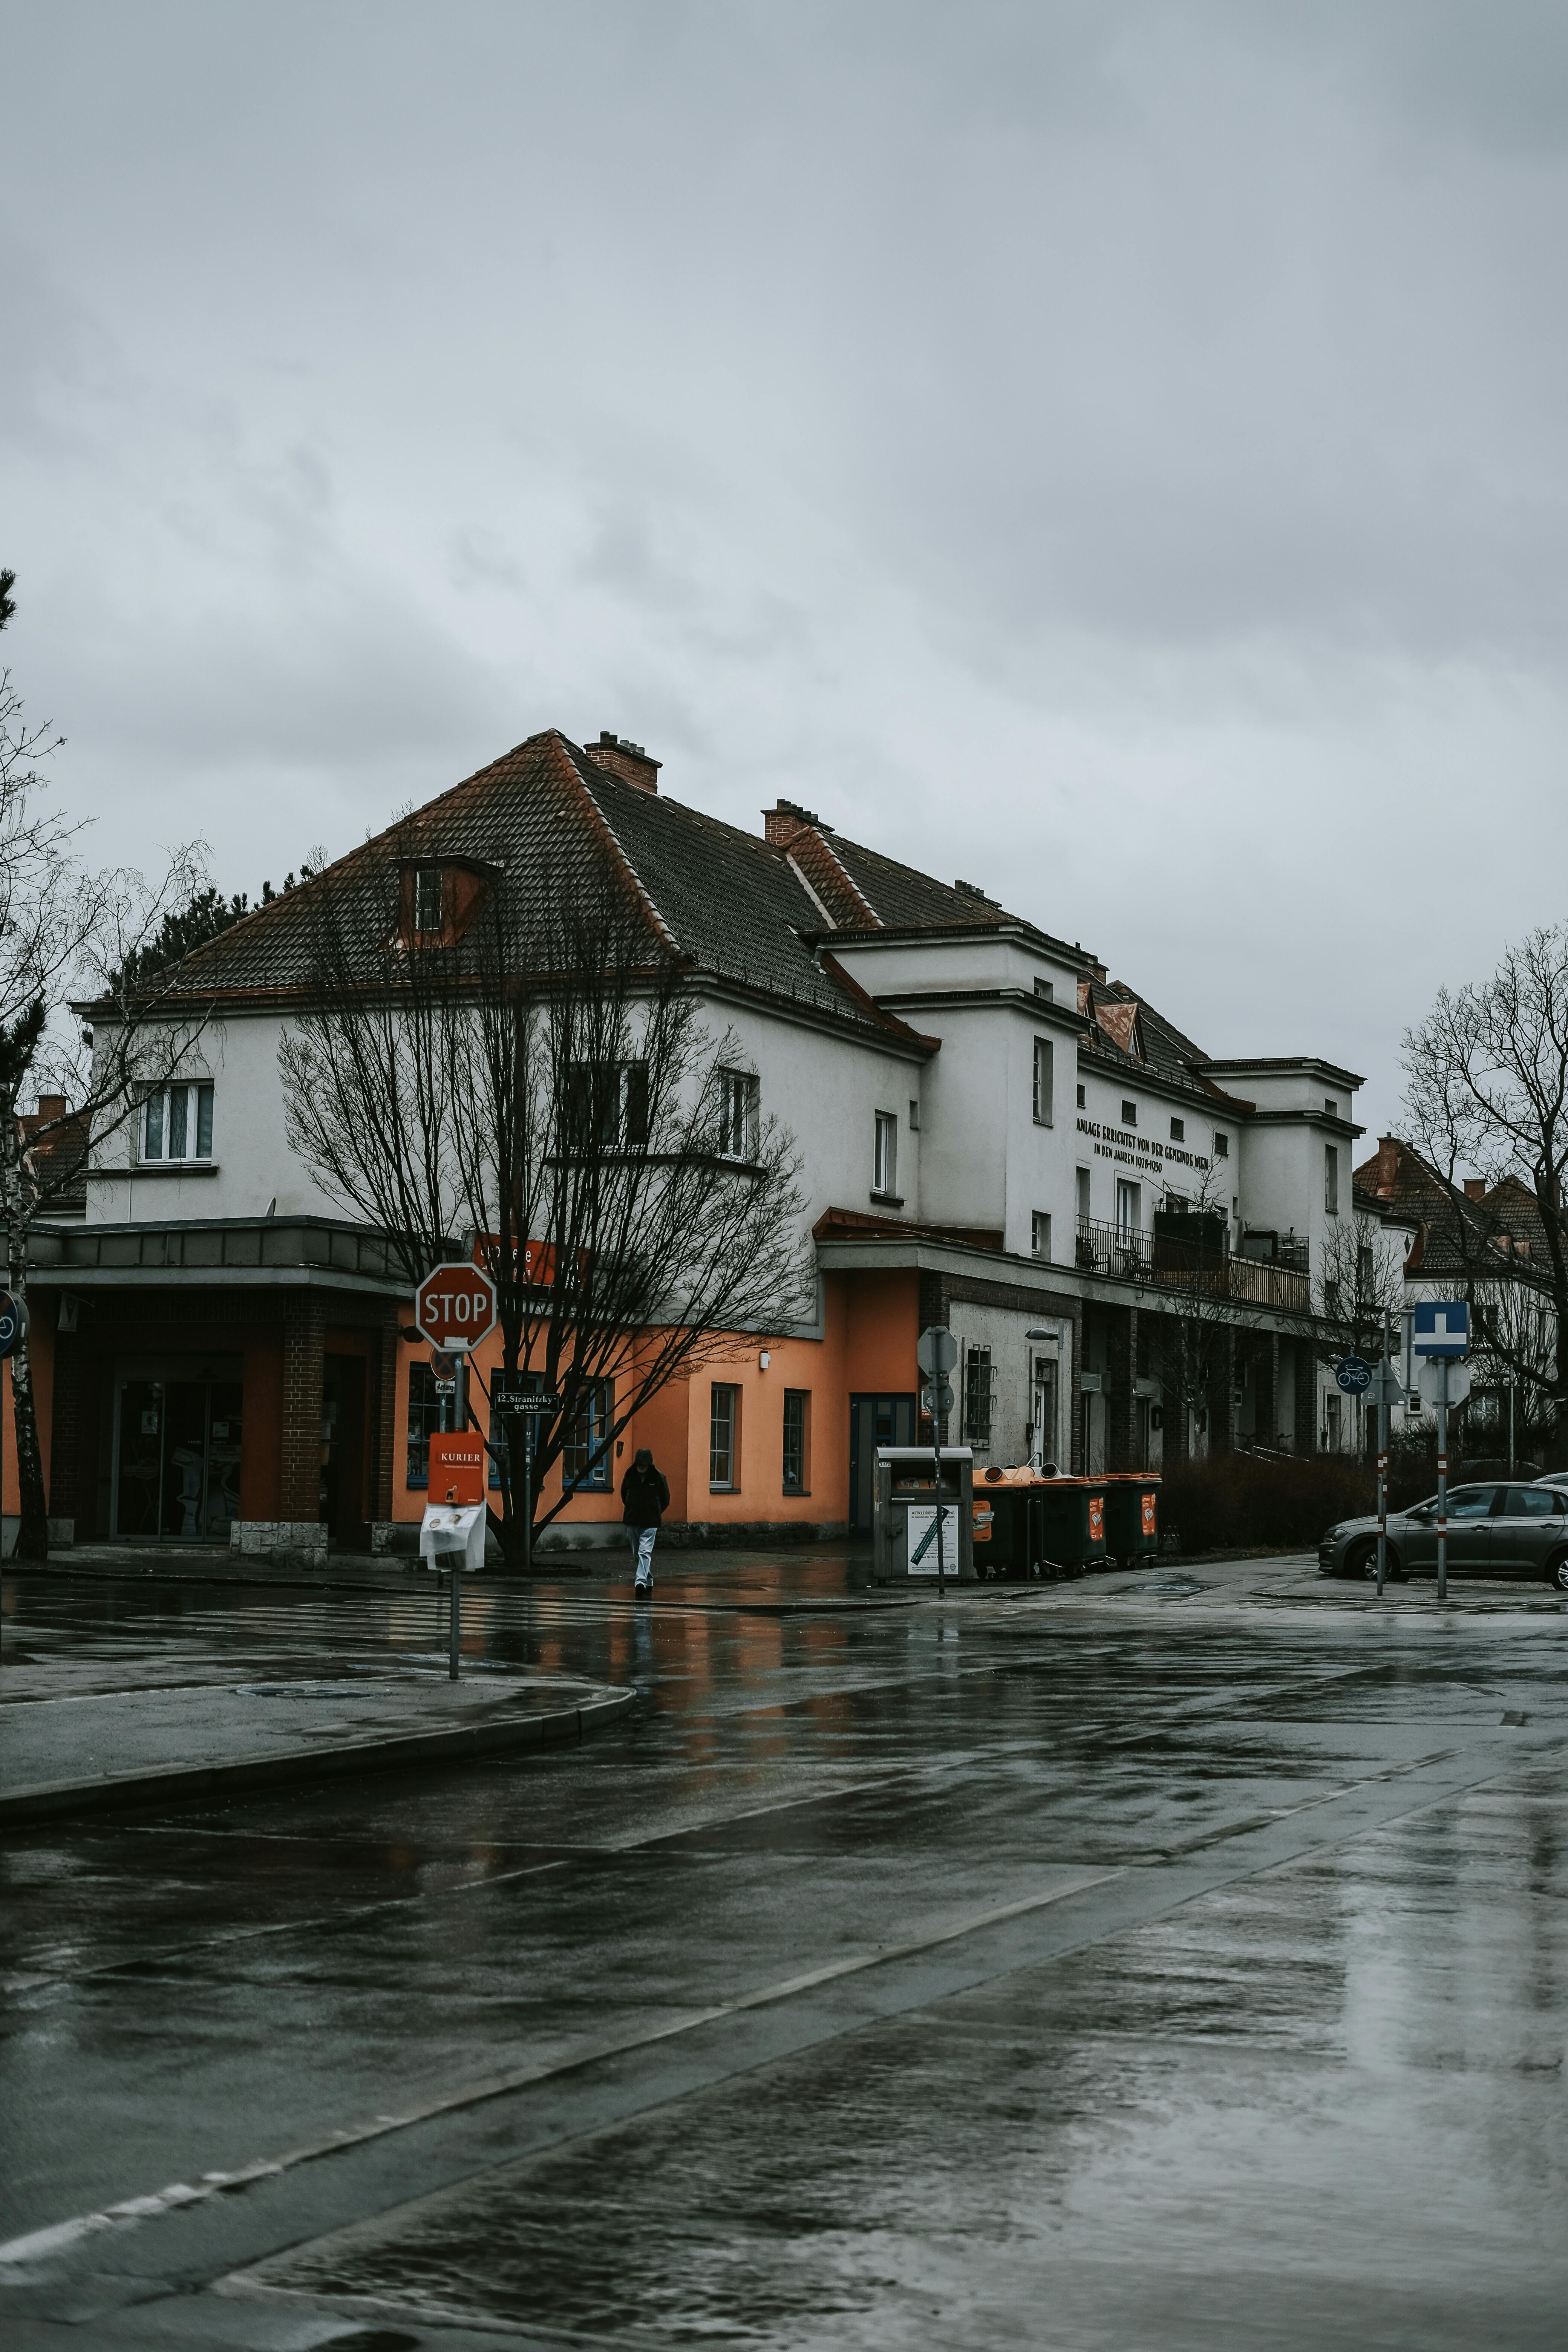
x: 10, y: 1324
x: 1353, y: 1375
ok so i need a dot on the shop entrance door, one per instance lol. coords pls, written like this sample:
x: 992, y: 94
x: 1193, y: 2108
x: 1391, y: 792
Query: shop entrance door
x: 177, y: 1457
x: 874, y: 1421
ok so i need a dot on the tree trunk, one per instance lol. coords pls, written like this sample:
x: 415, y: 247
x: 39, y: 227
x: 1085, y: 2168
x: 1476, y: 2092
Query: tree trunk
x: 33, y: 1535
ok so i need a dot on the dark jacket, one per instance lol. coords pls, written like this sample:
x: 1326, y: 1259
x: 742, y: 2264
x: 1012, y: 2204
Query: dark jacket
x: 646, y: 1494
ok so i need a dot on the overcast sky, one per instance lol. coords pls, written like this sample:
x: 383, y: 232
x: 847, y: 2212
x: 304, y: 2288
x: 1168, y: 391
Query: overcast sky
x: 1113, y: 453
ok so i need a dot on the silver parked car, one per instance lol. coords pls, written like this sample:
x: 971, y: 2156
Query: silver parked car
x: 1494, y: 1530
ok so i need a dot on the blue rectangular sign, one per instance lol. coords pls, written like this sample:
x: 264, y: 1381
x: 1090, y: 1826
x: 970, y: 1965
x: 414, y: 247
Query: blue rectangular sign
x: 1442, y: 1328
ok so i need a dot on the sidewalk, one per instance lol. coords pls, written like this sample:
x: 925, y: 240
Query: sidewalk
x: 106, y: 1750
x: 768, y: 1582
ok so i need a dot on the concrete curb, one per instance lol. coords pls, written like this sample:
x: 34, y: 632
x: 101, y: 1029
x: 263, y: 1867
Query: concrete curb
x: 873, y: 1597
x: 48, y: 1800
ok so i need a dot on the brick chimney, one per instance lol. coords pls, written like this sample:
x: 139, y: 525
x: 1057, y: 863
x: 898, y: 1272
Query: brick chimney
x: 1474, y: 1188
x: 1385, y: 1170
x: 51, y: 1106
x: 627, y: 761
x: 785, y: 820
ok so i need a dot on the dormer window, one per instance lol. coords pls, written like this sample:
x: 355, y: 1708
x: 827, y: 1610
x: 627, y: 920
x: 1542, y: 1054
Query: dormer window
x: 429, y: 897
x: 438, y: 899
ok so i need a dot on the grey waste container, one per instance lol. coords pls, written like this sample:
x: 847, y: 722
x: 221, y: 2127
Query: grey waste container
x: 904, y: 1546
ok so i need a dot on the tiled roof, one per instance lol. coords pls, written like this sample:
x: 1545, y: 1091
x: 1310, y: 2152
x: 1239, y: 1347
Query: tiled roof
x: 720, y: 900
x: 1500, y: 1233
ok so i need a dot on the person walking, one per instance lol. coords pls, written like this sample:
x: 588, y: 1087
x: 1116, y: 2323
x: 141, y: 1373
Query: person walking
x: 645, y: 1497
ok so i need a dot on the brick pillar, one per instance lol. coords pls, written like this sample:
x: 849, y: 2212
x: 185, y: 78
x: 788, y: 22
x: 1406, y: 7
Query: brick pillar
x: 1266, y: 1388
x: 304, y: 1332
x: 1122, y: 1366
x: 69, y: 1474
x: 1306, y: 1398
x: 382, y: 1427
x: 1222, y: 1397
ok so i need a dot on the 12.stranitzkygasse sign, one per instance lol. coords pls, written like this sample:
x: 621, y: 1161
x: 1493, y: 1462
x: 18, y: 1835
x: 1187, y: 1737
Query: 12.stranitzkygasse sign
x: 1129, y: 1150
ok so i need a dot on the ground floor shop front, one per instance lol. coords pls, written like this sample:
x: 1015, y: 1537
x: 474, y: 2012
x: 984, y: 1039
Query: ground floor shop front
x: 286, y: 1406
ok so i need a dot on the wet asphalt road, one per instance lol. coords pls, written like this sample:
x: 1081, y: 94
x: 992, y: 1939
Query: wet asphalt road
x: 1122, y: 1967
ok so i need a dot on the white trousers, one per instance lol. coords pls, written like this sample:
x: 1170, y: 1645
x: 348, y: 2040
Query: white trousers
x: 642, y: 1540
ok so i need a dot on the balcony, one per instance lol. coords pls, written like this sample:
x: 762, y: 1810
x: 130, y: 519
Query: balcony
x: 1155, y: 1263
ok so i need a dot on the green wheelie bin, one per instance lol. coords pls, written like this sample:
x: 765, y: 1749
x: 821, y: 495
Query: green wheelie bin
x: 1132, y: 1516
x: 1071, y: 1523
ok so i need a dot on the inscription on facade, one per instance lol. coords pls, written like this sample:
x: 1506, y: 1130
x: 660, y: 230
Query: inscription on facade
x: 1144, y: 1152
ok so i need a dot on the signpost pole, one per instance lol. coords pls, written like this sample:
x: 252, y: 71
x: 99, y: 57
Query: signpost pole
x: 936, y: 1455
x: 455, y: 1626
x: 1442, y: 1477
x: 1385, y: 1372
x: 525, y: 1425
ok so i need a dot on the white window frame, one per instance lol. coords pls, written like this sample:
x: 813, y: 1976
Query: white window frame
x: 1044, y: 1083
x: 739, y: 1105
x: 196, y: 1097
x: 1040, y: 1234
x: 885, y: 1155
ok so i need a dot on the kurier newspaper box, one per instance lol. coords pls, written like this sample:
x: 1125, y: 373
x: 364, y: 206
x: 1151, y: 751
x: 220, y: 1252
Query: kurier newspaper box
x: 905, y: 1526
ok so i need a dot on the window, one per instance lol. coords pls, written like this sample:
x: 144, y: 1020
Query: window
x: 606, y: 1106
x: 1221, y: 1145
x: 738, y: 1101
x: 977, y: 1396
x: 1178, y: 1130
x: 1331, y: 1179
x: 885, y: 1163
x: 177, y: 1122
x: 1533, y: 1502
x: 1082, y: 1181
x: 1330, y: 1106
x: 1046, y: 988
x: 423, y: 1420
x: 721, y: 1461
x: 796, y: 1440
x: 1128, y: 1114
x: 1039, y: 1234
x: 1082, y: 1099
x: 1129, y: 1201
x: 1045, y: 1082
x: 1365, y: 1272
x: 586, y: 1451
x: 429, y: 898
x: 914, y: 1118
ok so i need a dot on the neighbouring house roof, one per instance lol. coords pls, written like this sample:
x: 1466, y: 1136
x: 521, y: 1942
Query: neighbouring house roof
x: 1461, y: 1233
x: 56, y: 1162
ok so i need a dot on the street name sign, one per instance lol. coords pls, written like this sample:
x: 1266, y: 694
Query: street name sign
x: 1353, y: 1375
x: 454, y: 1307
x: 1442, y: 1328
x: 534, y: 1400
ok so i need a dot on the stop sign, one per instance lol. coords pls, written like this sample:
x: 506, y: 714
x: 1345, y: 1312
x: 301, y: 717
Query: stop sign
x: 455, y: 1306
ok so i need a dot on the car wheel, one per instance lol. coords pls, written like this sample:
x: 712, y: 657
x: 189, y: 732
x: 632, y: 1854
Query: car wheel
x: 1557, y: 1572
x: 1362, y: 1562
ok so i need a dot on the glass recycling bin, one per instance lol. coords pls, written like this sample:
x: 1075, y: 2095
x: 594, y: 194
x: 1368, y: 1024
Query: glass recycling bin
x: 904, y: 1532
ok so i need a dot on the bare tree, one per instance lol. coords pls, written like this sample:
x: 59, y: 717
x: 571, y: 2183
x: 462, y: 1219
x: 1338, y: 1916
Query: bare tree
x: 1357, y: 1285
x: 514, y: 1062
x: 1197, y: 1311
x: 66, y: 931
x: 1486, y: 1089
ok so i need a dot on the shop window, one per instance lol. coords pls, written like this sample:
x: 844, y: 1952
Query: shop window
x: 423, y: 1420
x: 977, y: 1396
x: 177, y: 1122
x: 1044, y: 1083
x: 586, y: 1465
x: 724, y: 1429
x: 738, y: 1102
x: 796, y: 1440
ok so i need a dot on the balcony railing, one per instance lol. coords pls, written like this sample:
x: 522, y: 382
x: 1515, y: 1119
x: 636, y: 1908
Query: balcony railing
x: 1135, y: 1254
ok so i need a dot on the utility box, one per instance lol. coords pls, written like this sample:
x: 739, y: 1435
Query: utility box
x: 907, y: 1499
